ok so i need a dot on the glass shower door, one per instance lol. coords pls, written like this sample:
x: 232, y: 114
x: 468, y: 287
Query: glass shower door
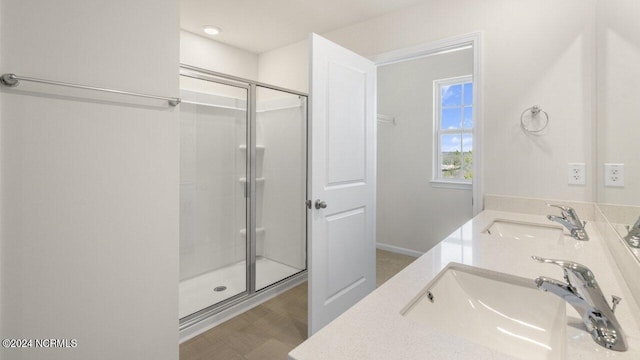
x: 213, y: 202
x: 281, y: 168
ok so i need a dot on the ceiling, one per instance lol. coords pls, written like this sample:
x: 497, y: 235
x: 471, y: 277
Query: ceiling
x: 263, y: 25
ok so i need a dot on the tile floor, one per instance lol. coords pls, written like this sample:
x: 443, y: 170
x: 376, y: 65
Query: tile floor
x: 269, y: 331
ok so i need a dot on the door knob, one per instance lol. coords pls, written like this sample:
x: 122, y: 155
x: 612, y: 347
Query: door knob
x: 320, y: 204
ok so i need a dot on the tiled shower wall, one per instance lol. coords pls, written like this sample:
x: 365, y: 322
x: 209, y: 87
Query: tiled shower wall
x: 212, y: 166
x: 212, y: 202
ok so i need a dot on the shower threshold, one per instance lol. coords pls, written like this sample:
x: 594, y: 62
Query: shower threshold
x: 198, y: 292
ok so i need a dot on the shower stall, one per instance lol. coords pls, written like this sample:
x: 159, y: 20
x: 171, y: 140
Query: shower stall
x: 243, y: 187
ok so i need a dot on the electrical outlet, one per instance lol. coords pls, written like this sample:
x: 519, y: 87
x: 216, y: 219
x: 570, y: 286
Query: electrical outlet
x: 614, y: 175
x: 577, y: 174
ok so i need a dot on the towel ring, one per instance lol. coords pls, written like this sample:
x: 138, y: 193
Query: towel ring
x: 535, y: 110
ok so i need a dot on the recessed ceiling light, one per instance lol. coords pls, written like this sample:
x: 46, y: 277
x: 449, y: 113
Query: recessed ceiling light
x: 211, y: 30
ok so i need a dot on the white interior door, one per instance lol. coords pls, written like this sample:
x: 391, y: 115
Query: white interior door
x: 343, y: 177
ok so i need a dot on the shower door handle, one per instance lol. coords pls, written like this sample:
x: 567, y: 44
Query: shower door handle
x: 321, y: 204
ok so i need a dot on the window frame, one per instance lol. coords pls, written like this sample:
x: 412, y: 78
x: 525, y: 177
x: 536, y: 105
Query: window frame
x: 437, y: 180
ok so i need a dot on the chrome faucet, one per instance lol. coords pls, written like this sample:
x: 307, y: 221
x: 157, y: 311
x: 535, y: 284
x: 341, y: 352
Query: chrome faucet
x: 571, y: 221
x: 633, y: 236
x: 583, y: 293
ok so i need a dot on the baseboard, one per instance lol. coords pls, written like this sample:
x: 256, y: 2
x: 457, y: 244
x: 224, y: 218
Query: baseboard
x: 399, y: 250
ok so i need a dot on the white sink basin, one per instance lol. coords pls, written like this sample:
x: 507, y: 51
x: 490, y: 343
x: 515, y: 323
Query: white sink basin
x: 523, y: 230
x: 503, y: 312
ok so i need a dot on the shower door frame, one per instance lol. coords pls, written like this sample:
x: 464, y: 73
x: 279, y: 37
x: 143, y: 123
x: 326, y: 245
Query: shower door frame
x: 250, y: 193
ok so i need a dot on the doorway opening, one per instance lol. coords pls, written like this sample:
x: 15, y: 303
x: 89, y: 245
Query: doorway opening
x: 429, y: 153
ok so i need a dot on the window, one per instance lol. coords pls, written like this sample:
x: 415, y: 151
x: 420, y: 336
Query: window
x: 453, y: 130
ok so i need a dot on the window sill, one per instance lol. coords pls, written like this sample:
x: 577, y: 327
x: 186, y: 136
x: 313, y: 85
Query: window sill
x: 451, y: 184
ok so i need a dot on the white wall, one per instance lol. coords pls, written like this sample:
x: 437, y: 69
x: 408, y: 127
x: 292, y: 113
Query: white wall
x: 412, y: 214
x: 618, y: 97
x: 208, y: 54
x: 534, y: 52
x: 90, y: 182
x: 287, y: 66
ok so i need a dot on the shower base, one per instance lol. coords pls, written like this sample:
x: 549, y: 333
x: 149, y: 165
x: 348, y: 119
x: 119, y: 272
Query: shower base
x: 198, y: 293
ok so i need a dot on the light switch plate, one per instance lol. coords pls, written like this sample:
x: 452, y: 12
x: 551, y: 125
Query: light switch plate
x: 577, y: 174
x: 614, y: 175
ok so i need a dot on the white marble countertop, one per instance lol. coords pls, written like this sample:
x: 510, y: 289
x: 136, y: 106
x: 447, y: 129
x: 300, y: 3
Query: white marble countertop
x: 375, y: 329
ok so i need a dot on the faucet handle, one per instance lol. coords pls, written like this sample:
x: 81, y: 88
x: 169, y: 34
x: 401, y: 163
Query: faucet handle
x: 564, y: 208
x: 615, y: 300
x: 580, y: 271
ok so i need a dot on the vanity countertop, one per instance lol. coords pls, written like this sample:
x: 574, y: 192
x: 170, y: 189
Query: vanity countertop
x: 375, y: 329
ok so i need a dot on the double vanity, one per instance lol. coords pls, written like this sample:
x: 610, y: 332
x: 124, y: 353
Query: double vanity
x: 512, y: 283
